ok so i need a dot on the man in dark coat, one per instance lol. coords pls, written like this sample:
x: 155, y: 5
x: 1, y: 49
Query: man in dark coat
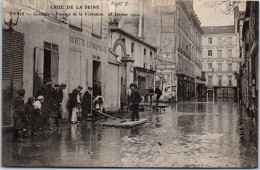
x: 60, y: 99
x: 159, y: 93
x: 32, y: 118
x: 74, y: 103
x: 86, y: 103
x: 54, y: 106
x: 18, y: 115
x: 135, y: 99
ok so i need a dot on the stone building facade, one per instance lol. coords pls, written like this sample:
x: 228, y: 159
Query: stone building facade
x: 220, y: 60
x: 248, y: 29
x: 174, y: 28
x: 67, y: 49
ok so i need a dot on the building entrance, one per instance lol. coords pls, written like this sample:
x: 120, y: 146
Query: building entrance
x: 97, y: 84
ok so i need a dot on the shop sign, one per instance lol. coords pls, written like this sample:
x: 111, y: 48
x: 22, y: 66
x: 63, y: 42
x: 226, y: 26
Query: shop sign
x: 87, y: 43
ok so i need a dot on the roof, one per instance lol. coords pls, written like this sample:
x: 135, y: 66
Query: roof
x: 219, y: 29
x: 114, y: 28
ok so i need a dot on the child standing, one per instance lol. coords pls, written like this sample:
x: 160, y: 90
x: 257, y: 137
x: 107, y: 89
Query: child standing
x: 18, y: 115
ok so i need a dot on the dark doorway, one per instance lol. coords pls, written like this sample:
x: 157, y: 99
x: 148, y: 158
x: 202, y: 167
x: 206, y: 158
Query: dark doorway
x: 97, y: 84
x: 141, y: 85
x: 47, y: 64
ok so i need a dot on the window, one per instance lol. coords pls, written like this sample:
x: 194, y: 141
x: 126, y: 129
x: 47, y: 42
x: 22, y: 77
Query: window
x: 210, y: 66
x: 229, y: 66
x: 132, y: 50
x: 219, y: 40
x: 132, y: 47
x: 144, y: 51
x: 229, y: 53
x: 210, y: 80
x: 209, y: 40
x: 219, y: 53
x: 209, y: 52
x: 219, y: 66
x: 219, y: 80
x: 229, y: 80
x: 51, y: 60
x: 229, y: 41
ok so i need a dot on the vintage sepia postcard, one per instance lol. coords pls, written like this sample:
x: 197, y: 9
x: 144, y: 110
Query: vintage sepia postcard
x: 130, y: 83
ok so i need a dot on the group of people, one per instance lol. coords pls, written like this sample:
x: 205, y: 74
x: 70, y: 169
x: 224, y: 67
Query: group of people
x: 44, y: 109
x: 41, y: 110
x: 150, y: 92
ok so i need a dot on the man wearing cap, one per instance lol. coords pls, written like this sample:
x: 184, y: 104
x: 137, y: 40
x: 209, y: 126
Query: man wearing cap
x: 135, y: 99
x: 86, y: 103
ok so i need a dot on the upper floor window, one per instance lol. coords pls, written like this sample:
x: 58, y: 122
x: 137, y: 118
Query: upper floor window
x: 209, y: 52
x: 210, y: 80
x: 229, y: 66
x: 219, y: 80
x: 219, y: 40
x: 219, y: 53
x: 230, y: 80
x: 132, y: 47
x: 210, y: 66
x: 209, y: 40
x: 229, y: 53
x: 219, y: 66
x: 229, y: 41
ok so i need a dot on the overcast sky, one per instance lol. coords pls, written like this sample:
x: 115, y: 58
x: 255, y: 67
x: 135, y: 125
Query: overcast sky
x: 212, y: 17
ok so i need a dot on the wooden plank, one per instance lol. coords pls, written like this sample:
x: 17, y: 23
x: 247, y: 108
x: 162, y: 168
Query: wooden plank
x: 121, y: 123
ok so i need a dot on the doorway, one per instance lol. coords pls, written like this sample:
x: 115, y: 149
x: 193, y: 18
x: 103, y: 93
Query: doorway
x: 96, y: 80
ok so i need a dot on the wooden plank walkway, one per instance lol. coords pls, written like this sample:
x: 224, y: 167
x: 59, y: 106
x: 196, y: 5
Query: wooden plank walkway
x: 123, y: 122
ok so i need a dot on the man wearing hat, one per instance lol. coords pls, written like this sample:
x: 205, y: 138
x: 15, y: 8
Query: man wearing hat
x: 86, y: 103
x: 134, y: 100
x: 75, y: 103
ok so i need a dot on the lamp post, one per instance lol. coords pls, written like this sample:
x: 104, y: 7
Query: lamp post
x: 9, y: 21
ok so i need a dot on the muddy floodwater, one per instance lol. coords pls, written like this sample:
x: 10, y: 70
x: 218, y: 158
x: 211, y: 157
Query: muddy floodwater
x: 189, y: 134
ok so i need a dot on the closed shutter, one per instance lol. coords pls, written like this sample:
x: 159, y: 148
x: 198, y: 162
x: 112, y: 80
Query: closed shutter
x: 18, y: 44
x: 17, y: 58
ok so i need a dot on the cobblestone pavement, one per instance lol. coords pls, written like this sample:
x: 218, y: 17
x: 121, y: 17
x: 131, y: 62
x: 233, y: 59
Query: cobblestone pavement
x: 189, y: 134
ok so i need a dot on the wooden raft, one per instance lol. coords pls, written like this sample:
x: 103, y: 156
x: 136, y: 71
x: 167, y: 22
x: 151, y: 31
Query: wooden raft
x: 123, y: 123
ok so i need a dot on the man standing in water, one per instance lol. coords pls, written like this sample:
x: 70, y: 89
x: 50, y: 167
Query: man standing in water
x: 135, y: 99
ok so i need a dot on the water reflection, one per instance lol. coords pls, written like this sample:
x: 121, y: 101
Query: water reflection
x: 195, y: 134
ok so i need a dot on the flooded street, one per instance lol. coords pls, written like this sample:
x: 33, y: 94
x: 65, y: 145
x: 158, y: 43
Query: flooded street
x: 190, y: 134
